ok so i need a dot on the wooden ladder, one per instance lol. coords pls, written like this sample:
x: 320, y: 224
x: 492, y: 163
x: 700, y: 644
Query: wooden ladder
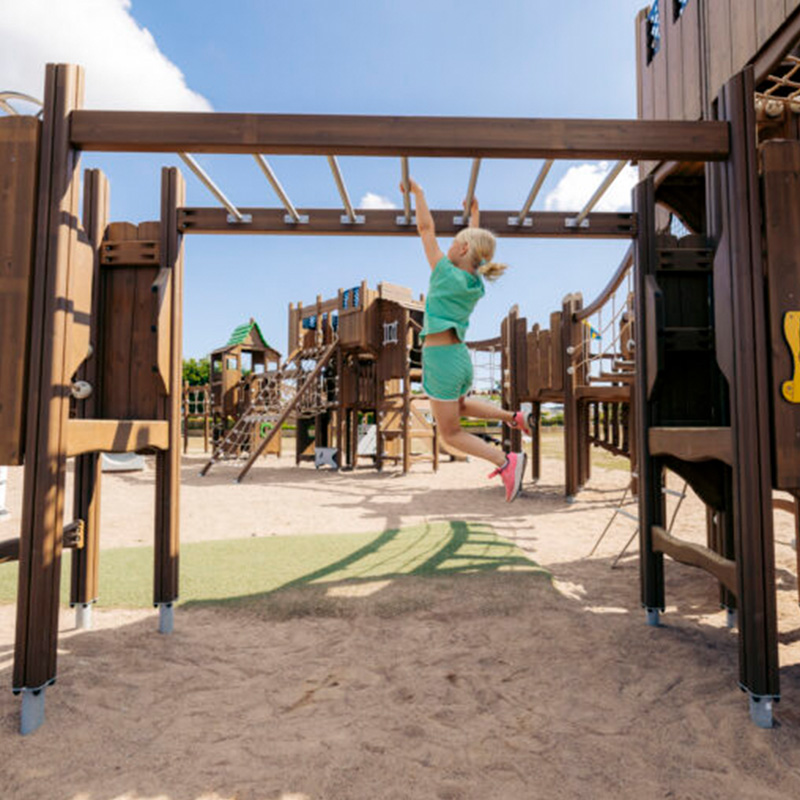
x: 280, y: 395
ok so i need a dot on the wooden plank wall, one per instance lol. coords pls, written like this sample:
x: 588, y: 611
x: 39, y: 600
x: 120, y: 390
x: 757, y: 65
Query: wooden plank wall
x: 131, y: 385
x: 781, y: 193
x: 700, y: 51
x: 19, y: 166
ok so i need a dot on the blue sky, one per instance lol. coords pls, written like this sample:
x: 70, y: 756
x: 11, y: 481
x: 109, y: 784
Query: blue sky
x: 534, y: 58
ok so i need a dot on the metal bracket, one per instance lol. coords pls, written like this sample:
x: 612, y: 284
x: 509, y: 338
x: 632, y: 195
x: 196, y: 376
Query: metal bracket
x: 761, y: 709
x: 572, y: 222
x: 652, y: 617
x: 246, y: 218
x: 460, y: 221
x: 73, y: 534
x: 302, y: 219
x: 32, y: 713
x: 166, y: 617
x: 345, y: 220
x: 515, y: 223
x: 402, y: 220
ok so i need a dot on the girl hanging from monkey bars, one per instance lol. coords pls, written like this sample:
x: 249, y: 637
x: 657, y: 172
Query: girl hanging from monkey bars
x: 456, y: 285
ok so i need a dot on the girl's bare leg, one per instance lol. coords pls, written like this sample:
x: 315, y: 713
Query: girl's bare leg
x: 481, y: 409
x: 448, y: 419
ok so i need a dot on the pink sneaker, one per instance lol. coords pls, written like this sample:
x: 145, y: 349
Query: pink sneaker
x: 512, y: 473
x: 521, y: 422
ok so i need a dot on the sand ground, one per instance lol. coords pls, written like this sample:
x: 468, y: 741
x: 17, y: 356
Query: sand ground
x: 503, y: 685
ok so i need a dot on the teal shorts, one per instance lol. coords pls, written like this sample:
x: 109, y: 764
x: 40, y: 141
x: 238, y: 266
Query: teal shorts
x: 446, y: 371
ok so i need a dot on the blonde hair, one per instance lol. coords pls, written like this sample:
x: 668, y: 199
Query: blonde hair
x: 481, y: 252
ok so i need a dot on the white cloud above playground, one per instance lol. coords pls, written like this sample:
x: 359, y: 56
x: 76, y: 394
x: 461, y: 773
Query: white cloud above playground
x: 579, y: 182
x: 125, y: 68
x: 372, y: 200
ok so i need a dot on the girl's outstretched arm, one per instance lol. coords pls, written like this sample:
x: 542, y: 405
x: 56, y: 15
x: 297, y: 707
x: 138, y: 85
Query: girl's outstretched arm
x: 474, y: 213
x: 425, y: 224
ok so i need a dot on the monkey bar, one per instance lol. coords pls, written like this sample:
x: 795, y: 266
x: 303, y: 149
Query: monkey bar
x: 522, y: 217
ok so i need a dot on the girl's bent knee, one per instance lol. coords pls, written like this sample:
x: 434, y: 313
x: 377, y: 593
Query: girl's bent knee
x: 449, y: 432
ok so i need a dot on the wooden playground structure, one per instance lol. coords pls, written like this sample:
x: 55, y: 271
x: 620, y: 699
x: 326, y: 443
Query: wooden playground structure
x: 563, y: 365
x: 353, y: 355
x: 716, y: 321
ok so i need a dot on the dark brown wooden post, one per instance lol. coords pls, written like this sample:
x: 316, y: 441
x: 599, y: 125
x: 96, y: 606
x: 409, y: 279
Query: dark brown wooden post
x: 406, y: 417
x: 572, y: 354
x: 747, y: 372
x: 511, y: 437
x: 48, y: 398
x: 582, y: 407
x: 168, y: 462
x: 650, y: 471
x: 88, y: 468
x: 536, y: 441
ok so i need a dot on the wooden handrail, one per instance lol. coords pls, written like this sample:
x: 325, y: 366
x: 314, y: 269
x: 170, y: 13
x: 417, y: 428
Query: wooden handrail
x: 612, y: 287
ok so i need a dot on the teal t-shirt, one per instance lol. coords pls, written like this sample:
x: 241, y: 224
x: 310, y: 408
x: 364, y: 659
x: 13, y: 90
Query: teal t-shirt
x: 452, y: 295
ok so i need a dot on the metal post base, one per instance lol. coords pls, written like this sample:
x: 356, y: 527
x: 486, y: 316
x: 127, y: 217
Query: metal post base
x: 731, y: 620
x: 32, y: 716
x: 761, y: 710
x: 570, y: 498
x: 166, y: 617
x: 652, y: 616
x: 83, y: 616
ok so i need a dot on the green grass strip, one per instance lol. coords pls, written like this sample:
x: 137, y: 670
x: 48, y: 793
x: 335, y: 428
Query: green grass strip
x: 235, y: 569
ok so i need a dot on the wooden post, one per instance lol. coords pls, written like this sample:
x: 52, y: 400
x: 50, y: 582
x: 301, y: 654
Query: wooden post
x: 88, y: 467
x: 339, y: 401
x: 48, y: 398
x: 571, y: 346
x: 651, y: 505
x: 750, y: 429
x: 168, y: 462
x: 405, y: 421
x: 536, y: 441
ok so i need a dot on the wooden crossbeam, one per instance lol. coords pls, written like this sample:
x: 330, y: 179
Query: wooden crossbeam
x: 383, y: 222
x: 115, y: 436
x: 454, y: 137
x: 692, y: 444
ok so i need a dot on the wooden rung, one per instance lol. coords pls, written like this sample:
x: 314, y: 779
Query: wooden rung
x: 115, y: 435
x: 782, y: 504
x: 695, y: 555
x: 605, y: 377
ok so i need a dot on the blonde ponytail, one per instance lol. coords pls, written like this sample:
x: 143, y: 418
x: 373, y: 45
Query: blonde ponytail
x: 481, y: 251
x: 492, y: 270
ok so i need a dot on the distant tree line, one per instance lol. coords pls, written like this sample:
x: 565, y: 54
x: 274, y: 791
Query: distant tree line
x: 196, y: 371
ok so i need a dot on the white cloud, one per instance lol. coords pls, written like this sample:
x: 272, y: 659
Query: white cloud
x: 577, y: 186
x: 124, y: 69
x: 372, y: 200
